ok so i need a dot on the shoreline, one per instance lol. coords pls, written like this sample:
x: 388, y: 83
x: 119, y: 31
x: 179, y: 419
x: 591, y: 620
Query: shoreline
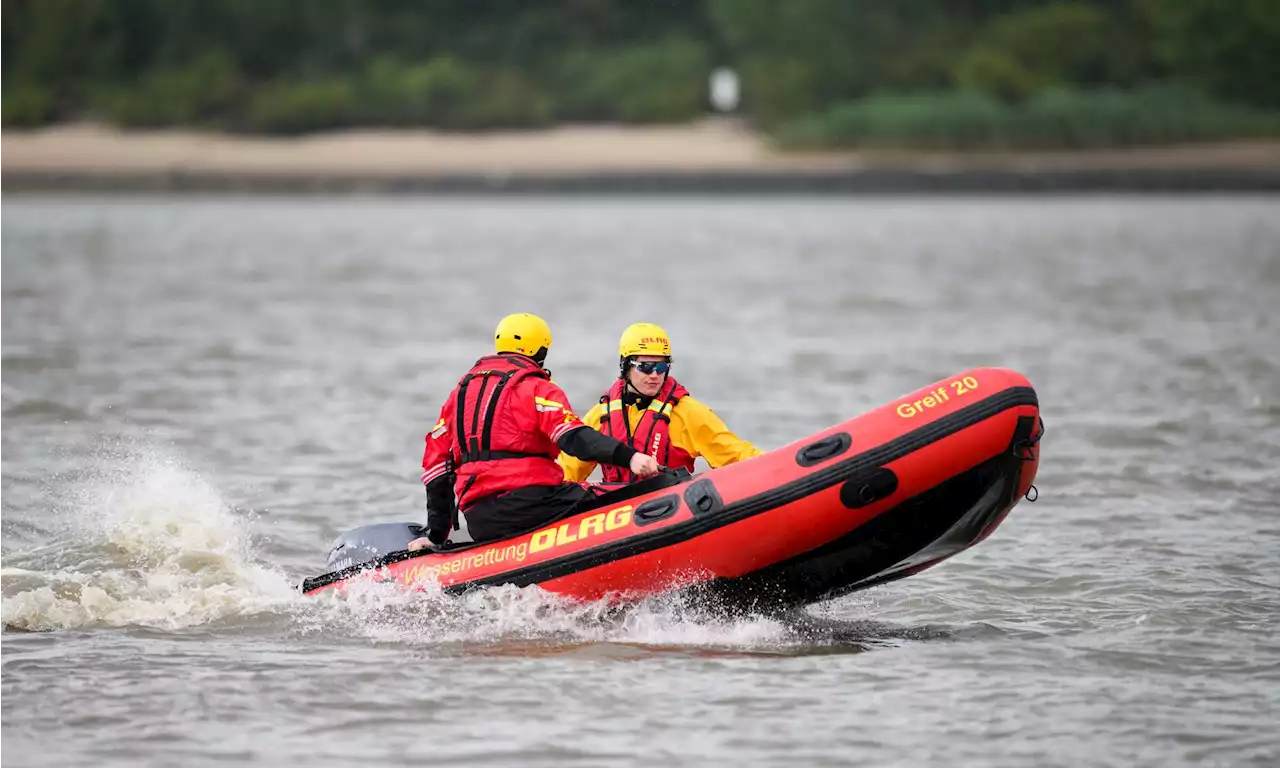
x: 714, y: 156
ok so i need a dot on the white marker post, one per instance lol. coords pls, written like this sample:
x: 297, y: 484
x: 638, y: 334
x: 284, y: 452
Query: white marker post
x: 724, y: 89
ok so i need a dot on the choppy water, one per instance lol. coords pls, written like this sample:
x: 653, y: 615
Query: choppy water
x: 199, y: 394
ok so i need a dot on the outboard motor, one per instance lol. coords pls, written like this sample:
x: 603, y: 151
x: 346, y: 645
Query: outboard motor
x: 370, y: 542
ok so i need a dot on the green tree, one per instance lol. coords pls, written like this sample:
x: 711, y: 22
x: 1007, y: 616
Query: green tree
x: 1032, y: 49
x: 803, y: 55
x: 1230, y: 48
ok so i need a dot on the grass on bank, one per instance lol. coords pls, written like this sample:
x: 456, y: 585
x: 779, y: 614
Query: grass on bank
x: 1055, y: 119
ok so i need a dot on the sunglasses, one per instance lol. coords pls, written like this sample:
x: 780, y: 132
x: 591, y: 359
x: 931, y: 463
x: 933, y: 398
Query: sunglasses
x: 651, y: 366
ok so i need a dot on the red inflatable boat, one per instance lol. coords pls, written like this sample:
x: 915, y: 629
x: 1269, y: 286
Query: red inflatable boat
x: 877, y: 498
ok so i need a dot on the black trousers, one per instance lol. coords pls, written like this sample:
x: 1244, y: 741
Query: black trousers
x: 522, y: 510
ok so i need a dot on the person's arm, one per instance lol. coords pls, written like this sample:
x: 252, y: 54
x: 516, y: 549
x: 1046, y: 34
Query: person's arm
x: 577, y: 470
x: 709, y: 436
x: 592, y: 446
x: 440, y: 508
x: 566, y: 430
x: 438, y: 477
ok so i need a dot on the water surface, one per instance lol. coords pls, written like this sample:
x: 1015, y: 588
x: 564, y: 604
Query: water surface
x: 199, y: 394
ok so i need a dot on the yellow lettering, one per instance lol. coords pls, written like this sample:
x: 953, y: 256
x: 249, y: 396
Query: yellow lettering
x: 937, y: 397
x: 542, y: 540
x: 563, y: 534
x: 563, y: 537
x: 591, y: 526
x: 618, y: 518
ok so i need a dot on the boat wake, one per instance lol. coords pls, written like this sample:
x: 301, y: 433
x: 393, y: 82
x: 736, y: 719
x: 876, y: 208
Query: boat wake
x: 152, y: 544
x: 149, y: 543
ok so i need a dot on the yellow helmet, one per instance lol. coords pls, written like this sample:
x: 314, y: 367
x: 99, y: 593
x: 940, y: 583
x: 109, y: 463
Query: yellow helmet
x: 644, y: 339
x: 525, y: 334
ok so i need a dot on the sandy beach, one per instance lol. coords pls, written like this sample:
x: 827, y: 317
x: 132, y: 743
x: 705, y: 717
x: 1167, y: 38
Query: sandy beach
x: 712, y: 154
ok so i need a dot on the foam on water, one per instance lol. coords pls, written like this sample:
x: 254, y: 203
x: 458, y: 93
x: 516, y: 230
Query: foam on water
x: 149, y: 543
x: 500, y: 617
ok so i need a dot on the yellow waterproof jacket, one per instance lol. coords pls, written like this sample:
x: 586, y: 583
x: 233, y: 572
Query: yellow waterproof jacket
x: 694, y: 427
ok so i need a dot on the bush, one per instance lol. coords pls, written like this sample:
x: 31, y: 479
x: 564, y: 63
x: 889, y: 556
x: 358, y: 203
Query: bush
x: 505, y: 99
x: 299, y: 107
x: 448, y: 94
x: 27, y: 105
x: 652, y: 83
x: 201, y: 91
x: 1055, y: 119
x: 1031, y: 50
x: 442, y: 93
x: 940, y: 120
x: 429, y: 93
x: 1152, y: 115
x: 993, y: 71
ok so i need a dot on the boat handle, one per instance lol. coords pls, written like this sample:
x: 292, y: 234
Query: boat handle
x: 656, y: 509
x: 702, y: 498
x: 821, y: 450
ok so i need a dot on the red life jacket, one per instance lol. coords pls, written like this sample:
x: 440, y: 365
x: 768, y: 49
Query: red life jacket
x: 651, y: 434
x: 498, y: 446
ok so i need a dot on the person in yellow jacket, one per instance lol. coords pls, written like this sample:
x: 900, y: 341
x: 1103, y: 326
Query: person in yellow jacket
x: 649, y: 410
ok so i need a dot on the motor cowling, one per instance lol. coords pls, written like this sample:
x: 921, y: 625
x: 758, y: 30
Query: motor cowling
x: 370, y: 542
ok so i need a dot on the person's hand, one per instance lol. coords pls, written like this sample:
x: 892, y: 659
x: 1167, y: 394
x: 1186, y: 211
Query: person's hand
x: 420, y: 543
x: 644, y: 465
